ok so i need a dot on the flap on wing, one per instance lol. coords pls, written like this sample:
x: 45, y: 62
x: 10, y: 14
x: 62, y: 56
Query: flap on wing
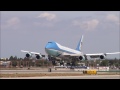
x: 35, y: 53
x: 96, y: 54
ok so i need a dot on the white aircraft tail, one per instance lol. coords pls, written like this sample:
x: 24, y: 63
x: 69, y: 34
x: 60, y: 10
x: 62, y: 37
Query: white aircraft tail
x: 79, y: 46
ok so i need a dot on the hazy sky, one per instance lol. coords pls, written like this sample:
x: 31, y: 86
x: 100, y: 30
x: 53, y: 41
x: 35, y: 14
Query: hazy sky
x: 31, y: 30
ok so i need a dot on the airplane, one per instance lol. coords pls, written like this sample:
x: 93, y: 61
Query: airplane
x: 55, y: 50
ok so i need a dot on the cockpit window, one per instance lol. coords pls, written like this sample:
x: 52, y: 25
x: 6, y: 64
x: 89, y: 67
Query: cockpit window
x: 49, y: 42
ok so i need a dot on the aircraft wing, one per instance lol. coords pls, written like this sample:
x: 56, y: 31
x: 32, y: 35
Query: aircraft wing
x: 114, y: 53
x: 102, y: 53
x: 98, y: 54
x: 95, y: 55
x: 35, y: 53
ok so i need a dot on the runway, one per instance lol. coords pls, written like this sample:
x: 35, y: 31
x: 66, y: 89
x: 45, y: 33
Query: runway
x: 46, y: 71
x: 21, y: 71
x: 35, y: 71
x: 71, y: 77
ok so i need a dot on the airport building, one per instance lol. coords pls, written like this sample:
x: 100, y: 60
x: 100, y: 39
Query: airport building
x: 5, y: 63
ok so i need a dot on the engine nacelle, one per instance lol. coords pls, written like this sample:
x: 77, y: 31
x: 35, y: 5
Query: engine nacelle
x: 102, y: 56
x: 81, y: 58
x: 38, y: 56
x: 28, y: 55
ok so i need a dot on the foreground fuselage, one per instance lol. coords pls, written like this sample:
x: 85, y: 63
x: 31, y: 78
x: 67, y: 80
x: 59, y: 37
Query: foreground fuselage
x: 55, y: 49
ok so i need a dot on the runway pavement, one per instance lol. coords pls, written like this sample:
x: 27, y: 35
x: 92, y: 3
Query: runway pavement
x: 21, y: 71
x: 46, y: 71
x: 32, y: 71
x: 71, y: 77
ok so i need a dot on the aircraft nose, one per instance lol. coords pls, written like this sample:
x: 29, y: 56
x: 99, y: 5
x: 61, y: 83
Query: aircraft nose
x: 47, y: 47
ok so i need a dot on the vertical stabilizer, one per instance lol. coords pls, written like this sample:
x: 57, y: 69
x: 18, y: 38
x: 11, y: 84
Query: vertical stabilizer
x: 79, y: 46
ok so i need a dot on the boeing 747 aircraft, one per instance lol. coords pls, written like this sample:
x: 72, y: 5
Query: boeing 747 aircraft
x: 54, y: 49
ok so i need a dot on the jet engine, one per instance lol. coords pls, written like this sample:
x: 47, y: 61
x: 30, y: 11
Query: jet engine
x: 81, y: 58
x: 38, y: 56
x: 102, y: 56
x: 28, y: 55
